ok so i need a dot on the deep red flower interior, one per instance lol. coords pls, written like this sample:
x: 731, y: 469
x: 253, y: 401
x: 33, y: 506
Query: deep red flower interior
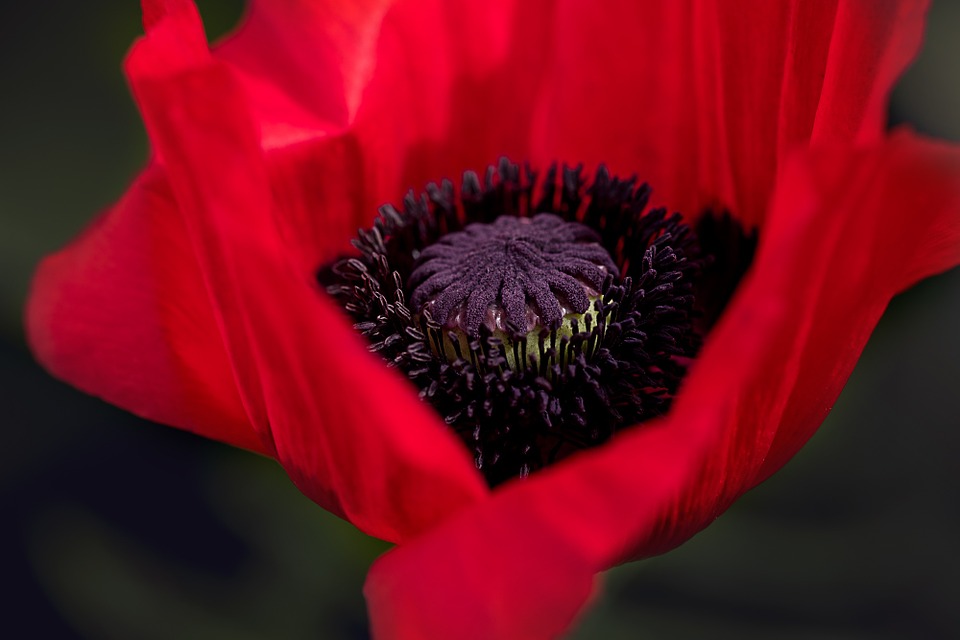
x: 192, y: 301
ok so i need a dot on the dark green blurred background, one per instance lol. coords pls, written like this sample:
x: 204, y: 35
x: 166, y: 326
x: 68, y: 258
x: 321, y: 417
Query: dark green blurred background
x: 117, y: 528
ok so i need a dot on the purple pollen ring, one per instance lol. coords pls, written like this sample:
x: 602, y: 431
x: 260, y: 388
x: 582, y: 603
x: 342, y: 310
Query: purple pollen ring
x: 512, y: 275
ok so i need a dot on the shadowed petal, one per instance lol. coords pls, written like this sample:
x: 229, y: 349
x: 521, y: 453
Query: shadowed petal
x: 694, y: 92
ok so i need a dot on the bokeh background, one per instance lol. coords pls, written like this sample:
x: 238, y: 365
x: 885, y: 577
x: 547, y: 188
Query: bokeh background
x: 112, y: 527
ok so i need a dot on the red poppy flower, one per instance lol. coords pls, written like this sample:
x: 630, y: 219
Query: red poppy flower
x: 193, y: 302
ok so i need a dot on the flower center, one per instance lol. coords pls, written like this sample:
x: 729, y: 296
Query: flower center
x: 538, y: 317
x: 515, y: 276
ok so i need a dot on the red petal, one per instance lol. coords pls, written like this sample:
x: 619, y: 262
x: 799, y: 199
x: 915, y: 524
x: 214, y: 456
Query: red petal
x: 380, y: 97
x: 879, y: 254
x: 351, y: 433
x: 546, y: 585
x: 305, y: 65
x: 847, y: 231
x: 418, y: 90
x: 121, y: 313
x: 704, y: 93
x: 455, y: 88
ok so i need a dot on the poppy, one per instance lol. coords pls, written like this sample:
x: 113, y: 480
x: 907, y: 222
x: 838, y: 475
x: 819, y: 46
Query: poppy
x: 194, y: 300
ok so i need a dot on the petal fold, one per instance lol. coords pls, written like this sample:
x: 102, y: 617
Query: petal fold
x: 121, y: 314
x: 305, y: 65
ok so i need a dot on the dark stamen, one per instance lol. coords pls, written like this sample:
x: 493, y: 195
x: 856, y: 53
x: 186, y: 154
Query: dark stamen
x: 730, y: 248
x: 526, y: 397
